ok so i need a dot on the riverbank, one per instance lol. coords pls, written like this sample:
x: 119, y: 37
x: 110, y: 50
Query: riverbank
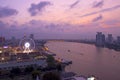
x: 88, y: 60
x: 113, y: 46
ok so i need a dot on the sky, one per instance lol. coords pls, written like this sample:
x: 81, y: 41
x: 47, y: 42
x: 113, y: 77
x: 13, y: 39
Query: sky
x: 59, y: 19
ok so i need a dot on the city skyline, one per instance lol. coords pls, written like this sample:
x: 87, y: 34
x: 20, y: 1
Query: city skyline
x: 59, y: 19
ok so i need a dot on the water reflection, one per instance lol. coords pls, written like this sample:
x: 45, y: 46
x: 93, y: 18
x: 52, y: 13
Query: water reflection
x: 89, y: 59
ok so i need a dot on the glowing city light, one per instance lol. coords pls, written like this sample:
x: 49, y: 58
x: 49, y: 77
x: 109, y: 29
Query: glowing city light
x: 0, y: 51
x: 91, y: 78
x: 19, y: 58
x: 5, y: 46
x: 2, y: 58
x: 27, y: 44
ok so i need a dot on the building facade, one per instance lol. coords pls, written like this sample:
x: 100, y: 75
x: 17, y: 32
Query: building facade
x: 110, y: 39
x: 100, y: 39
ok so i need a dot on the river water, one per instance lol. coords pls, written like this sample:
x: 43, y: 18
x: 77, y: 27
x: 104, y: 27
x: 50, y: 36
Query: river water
x: 88, y: 59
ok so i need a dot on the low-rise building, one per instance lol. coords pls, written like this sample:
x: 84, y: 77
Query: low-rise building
x: 22, y: 64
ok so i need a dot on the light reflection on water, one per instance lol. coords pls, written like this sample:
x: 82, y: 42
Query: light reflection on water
x: 88, y: 59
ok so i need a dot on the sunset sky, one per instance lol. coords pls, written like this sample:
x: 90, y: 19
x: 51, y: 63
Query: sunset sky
x: 69, y: 19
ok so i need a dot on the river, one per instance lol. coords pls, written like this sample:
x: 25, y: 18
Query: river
x: 88, y: 59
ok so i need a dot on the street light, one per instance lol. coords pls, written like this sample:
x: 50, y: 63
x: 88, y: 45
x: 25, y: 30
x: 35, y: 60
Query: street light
x: 2, y: 58
x: 0, y: 51
x: 91, y: 78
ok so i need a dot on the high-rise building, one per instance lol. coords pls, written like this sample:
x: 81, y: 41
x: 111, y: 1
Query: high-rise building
x: 118, y: 39
x: 2, y: 40
x: 109, y: 38
x: 103, y: 39
x: 100, y: 39
x: 24, y: 36
x: 13, y: 41
x: 31, y: 36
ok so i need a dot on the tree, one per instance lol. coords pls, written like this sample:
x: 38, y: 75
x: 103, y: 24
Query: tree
x: 35, y: 73
x: 50, y: 61
x: 59, y: 67
x: 11, y: 76
x: 15, y: 71
x: 0, y: 72
x: 51, y: 76
x: 28, y: 69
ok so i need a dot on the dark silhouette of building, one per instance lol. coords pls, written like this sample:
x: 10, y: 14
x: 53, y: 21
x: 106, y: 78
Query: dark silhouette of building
x: 51, y: 76
x: 2, y: 40
x: 118, y: 39
x: 100, y: 39
x: 110, y: 39
x: 31, y: 36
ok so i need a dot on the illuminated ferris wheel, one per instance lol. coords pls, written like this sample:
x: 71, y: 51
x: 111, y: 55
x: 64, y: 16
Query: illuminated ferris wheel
x: 27, y: 45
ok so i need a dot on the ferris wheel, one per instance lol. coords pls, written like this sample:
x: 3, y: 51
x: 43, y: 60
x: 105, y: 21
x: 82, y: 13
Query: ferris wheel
x: 27, y: 45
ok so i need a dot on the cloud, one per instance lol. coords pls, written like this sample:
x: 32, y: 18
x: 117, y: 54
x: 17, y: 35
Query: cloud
x: 37, y: 27
x: 97, y: 18
x: 98, y: 4
x: 48, y: 30
x: 4, y: 28
x: 74, y: 4
x: 101, y: 11
x: 38, y: 8
x: 110, y: 23
x: 1, y: 24
x: 7, y: 12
